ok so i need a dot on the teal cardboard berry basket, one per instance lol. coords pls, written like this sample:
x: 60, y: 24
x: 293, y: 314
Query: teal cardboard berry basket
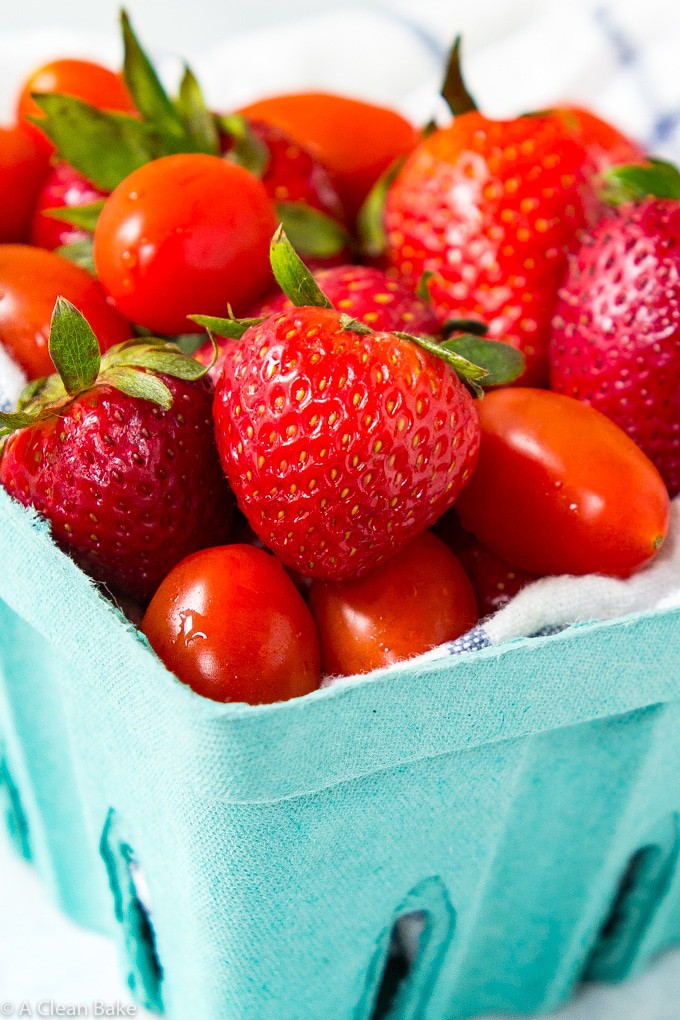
x: 522, y: 801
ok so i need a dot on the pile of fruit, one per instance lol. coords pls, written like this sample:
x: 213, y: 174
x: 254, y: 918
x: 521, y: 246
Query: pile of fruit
x: 329, y: 388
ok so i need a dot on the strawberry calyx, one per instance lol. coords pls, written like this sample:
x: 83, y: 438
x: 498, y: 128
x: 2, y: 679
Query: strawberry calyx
x: 231, y: 328
x: 292, y: 275
x: 633, y: 182
x: 247, y: 150
x: 454, y: 91
x: 132, y: 367
x: 104, y: 146
x: 313, y: 233
x: 83, y: 216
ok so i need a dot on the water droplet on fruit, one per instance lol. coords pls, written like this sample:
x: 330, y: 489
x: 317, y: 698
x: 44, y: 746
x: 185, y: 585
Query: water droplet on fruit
x: 190, y: 627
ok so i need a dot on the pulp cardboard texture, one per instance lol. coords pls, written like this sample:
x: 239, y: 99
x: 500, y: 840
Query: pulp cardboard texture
x: 519, y: 804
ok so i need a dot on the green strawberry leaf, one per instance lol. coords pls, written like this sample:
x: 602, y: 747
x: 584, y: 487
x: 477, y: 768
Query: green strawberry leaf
x: 137, y: 383
x: 247, y: 149
x: 631, y: 183
x: 81, y: 253
x: 145, y: 86
x: 73, y: 347
x: 310, y: 231
x: 198, y: 122
x: 232, y: 329
x: 371, y: 218
x: 189, y: 343
x: 292, y: 275
x: 454, y: 91
x: 166, y: 359
x: 501, y: 362
x: 103, y: 147
x: 12, y: 421
x: 83, y: 216
x: 475, y: 326
x: 466, y: 370
x: 40, y: 392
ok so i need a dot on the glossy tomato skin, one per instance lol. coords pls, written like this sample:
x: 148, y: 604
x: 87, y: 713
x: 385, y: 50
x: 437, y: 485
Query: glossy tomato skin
x: 560, y: 489
x: 84, y: 79
x: 64, y: 188
x: 356, y: 141
x: 229, y: 622
x: 416, y: 600
x: 23, y: 168
x: 31, y: 279
x: 181, y: 235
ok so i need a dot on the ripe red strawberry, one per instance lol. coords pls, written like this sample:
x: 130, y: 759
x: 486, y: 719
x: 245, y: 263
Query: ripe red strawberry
x: 492, y: 209
x: 64, y: 188
x: 606, y: 145
x: 288, y: 172
x: 298, y: 185
x: 340, y: 444
x: 616, y: 332
x: 361, y: 292
x: 129, y: 487
x: 494, y: 581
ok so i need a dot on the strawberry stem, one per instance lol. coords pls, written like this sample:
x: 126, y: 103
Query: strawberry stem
x: 454, y: 91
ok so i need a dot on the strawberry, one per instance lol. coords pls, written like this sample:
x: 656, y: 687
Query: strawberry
x: 300, y: 188
x: 616, y: 332
x: 605, y: 144
x: 492, y: 209
x: 340, y: 443
x: 288, y: 172
x: 361, y: 292
x: 494, y: 581
x: 66, y: 189
x: 121, y: 462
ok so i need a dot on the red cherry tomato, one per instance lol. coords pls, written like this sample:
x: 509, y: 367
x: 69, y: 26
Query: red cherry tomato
x: 23, y: 168
x: 64, y: 188
x: 83, y: 79
x: 181, y: 235
x: 31, y: 279
x: 560, y: 489
x: 416, y: 600
x: 356, y: 141
x: 231, y: 624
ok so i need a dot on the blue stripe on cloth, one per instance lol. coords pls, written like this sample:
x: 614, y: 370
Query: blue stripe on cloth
x: 473, y: 641
x: 429, y: 40
x: 664, y: 122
